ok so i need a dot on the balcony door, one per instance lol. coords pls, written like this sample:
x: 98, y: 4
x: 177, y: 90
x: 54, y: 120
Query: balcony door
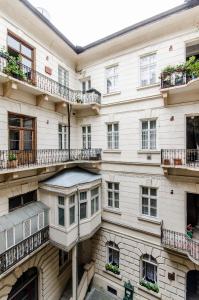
x: 192, y: 137
x: 193, y: 285
x: 63, y: 79
x: 21, y: 138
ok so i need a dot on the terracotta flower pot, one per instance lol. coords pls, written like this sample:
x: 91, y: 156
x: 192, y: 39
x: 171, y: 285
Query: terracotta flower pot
x: 11, y: 164
x: 166, y: 162
x: 177, y: 161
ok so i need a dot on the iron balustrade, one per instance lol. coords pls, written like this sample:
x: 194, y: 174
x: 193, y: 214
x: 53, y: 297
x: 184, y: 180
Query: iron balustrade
x: 11, y: 159
x: 180, y: 157
x: 48, y: 85
x: 181, y: 242
x: 13, y: 255
x: 175, y: 79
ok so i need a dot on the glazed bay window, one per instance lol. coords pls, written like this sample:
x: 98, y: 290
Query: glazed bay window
x: 61, y: 211
x: 72, y: 210
x: 112, y: 79
x: 83, y: 205
x: 113, y: 254
x: 149, y: 201
x: 113, y: 135
x: 148, y: 128
x: 148, y: 69
x: 94, y: 200
x: 62, y: 133
x: 149, y: 268
x: 113, y: 194
x: 86, y: 137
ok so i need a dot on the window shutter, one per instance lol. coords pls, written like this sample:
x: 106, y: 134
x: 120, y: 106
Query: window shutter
x: 10, y: 237
x: 26, y: 228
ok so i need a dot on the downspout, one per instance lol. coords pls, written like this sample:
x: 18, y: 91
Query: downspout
x: 69, y: 109
x: 78, y: 239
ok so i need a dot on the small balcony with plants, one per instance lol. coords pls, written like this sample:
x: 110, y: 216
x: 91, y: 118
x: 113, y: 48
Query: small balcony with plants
x: 180, y: 83
x: 15, y: 75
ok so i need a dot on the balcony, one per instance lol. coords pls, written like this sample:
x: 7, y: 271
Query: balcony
x: 179, y: 160
x: 181, y: 242
x: 179, y: 87
x: 43, y: 87
x: 11, y: 160
x: 22, y: 231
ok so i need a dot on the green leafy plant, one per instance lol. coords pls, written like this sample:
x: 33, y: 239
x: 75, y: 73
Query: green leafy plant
x: 149, y: 285
x: 13, y: 66
x: 112, y: 268
x: 12, y: 156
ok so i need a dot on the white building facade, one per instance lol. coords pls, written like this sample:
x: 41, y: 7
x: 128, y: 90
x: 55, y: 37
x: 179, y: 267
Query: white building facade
x: 99, y: 159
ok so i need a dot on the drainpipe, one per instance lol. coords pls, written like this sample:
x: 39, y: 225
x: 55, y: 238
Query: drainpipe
x: 78, y: 239
x: 69, y: 109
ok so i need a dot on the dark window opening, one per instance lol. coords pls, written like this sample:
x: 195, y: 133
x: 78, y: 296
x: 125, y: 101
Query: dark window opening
x: 111, y: 290
x: 22, y: 200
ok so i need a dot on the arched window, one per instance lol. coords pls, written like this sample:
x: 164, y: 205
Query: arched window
x: 149, y: 268
x: 113, y: 254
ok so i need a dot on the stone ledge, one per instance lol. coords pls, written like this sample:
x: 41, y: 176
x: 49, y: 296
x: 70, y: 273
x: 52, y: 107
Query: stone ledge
x: 112, y: 274
x: 155, y: 295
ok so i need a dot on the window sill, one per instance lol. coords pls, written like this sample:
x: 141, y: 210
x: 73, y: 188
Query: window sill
x: 147, y: 86
x: 150, y: 220
x: 112, y: 210
x: 148, y: 151
x: 154, y: 294
x: 117, y: 151
x: 111, y: 94
x: 113, y: 274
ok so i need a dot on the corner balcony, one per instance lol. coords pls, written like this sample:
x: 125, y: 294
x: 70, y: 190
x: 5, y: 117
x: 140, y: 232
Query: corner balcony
x: 179, y: 87
x: 16, y: 160
x: 180, y: 161
x: 45, y: 88
x: 181, y: 242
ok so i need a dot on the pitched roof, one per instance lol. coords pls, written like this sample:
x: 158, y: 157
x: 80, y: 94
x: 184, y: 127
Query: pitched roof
x: 72, y: 177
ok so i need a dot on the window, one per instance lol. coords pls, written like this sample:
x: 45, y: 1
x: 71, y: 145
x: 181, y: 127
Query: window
x: 62, y: 132
x: 112, y: 79
x: 113, y: 135
x: 86, y: 85
x: 149, y: 134
x: 63, y: 259
x: 94, y: 200
x: 148, y: 69
x: 21, y: 200
x: 72, y: 210
x: 113, y: 254
x: 10, y: 238
x: 26, y: 228
x: 61, y: 211
x: 40, y: 221
x: 149, y: 268
x: 19, y: 48
x: 22, y: 135
x: 149, y: 201
x: 86, y: 137
x: 63, y: 79
x: 83, y: 205
x: 113, y: 194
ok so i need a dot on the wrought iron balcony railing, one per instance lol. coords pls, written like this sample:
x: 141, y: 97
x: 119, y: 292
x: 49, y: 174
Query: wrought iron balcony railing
x: 181, y: 242
x: 175, y: 79
x: 48, y: 85
x: 11, y: 159
x: 13, y: 255
x: 180, y: 157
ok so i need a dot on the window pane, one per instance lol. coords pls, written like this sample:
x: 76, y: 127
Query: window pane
x: 83, y: 210
x: 27, y: 122
x: 72, y: 215
x: 26, y: 51
x: 145, y: 190
x: 153, y: 192
x: 14, y: 121
x: 15, y: 202
x: 116, y: 186
x: 92, y: 207
x: 61, y: 216
x: 13, y: 43
x: 61, y: 200
x: 83, y: 196
x: 26, y: 62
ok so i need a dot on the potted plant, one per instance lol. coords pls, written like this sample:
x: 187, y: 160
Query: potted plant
x: 190, y: 231
x: 177, y: 161
x: 149, y: 285
x: 12, y: 161
x: 166, y: 76
x: 112, y: 268
x: 166, y: 162
x: 13, y: 68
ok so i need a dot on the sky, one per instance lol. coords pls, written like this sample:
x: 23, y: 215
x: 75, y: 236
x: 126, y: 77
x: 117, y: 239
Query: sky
x: 85, y: 21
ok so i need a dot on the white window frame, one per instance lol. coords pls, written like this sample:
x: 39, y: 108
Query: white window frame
x: 71, y: 205
x: 115, y: 248
x: 148, y: 66
x: 149, y: 260
x: 148, y: 134
x: 113, y: 191
x: 64, y: 136
x: 86, y: 137
x: 95, y: 199
x: 113, y: 77
x: 40, y: 226
x: 86, y: 82
x: 6, y: 236
x: 29, y: 221
x: 149, y: 197
x: 81, y: 202
x: 64, y: 81
x: 59, y: 205
x: 113, y: 136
